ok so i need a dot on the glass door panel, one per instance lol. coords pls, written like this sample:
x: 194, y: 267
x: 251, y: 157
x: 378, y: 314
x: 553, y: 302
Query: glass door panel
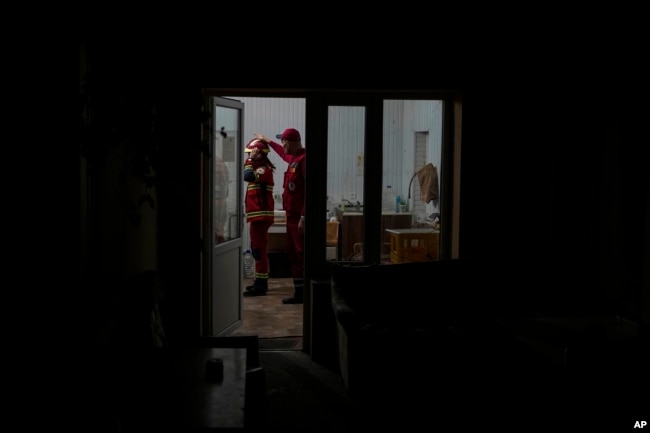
x: 226, y: 166
x: 345, y: 182
x: 221, y: 301
x: 412, y: 157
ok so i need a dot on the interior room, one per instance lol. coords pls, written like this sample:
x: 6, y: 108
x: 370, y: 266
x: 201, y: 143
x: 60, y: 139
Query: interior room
x: 532, y: 276
x: 415, y: 131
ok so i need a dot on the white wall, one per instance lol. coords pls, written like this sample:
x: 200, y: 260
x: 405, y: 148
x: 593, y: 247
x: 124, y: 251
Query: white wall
x: 416, y: 116
x: 345, y: 143
x: 271, y: 116
x: 402, y: 120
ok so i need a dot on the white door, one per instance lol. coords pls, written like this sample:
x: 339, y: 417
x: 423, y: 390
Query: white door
x: 223, y: 212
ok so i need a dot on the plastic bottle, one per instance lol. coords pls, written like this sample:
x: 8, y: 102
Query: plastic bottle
x: 249, y: 264
x: 398, y: 201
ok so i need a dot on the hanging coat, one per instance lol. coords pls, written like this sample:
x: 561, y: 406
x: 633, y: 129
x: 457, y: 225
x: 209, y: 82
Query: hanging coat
x: 428, y: 178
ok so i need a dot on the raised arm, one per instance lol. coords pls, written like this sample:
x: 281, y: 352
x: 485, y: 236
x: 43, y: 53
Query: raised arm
x: 277, y: 147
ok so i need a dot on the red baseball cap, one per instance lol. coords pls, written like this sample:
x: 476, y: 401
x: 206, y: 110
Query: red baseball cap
x: 289, y: 134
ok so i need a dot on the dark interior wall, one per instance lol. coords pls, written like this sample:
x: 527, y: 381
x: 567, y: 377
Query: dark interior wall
x: 135, y: 91
x: 552, y: 176
x: 179, y: 225
x: 624, y: 232
x: 554, y: 179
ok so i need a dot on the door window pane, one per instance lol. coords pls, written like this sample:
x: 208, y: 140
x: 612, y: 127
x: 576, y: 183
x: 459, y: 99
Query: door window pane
x: 345, y: 179
x: 226, y: 160
x: 412, y: 157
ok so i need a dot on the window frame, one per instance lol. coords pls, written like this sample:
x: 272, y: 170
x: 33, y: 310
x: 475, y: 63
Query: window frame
x: 316, y: 123
x: 317, y: 102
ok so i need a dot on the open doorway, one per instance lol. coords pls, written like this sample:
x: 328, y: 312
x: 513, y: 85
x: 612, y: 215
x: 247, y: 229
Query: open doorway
x: 270, y: 319
x: 266, y: 316
x: 398, y: 137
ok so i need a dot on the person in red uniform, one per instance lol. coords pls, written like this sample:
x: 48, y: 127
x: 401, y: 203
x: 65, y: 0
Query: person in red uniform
x: 258, y: 172
x: 293, y: 203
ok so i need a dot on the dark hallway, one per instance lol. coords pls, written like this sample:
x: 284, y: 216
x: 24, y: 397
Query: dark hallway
x: 554, y: 176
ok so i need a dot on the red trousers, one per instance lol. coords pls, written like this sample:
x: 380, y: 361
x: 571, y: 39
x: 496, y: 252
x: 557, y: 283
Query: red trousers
x: 259, y: 242
x: 295, y: 245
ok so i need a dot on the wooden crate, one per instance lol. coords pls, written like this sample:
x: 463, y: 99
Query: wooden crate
x: 414, y: 245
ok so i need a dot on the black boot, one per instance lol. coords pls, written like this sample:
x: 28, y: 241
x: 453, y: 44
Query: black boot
x: 259, y: 288
x: 298, y: 288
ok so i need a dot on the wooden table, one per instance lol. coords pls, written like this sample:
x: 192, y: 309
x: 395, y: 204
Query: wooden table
x: 168, y: 388
x: 213, y: 404
x: 352, y: 227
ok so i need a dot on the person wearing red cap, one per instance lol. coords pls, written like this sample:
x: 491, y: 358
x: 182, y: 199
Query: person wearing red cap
x: 258, y: 172
x: 293, y: 203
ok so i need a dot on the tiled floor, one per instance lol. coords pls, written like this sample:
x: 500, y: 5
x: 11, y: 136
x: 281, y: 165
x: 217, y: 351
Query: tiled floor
x: 267, y: 317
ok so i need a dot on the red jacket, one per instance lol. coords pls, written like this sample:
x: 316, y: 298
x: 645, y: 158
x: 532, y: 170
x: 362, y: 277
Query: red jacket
x: 259, y: 192
x: 293, y: 194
